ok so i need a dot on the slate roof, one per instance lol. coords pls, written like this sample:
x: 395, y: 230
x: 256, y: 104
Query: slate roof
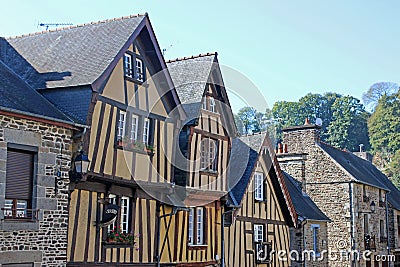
x: 364, y: 172
x: 244, y: 155
x: 71, y: 56
x: 16, y: 95
x: 190, y: 76
x: 303, y: 204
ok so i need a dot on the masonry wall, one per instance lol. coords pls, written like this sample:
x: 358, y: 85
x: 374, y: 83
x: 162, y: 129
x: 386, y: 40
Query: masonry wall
x: 329, y: 187
x: 42, y: 242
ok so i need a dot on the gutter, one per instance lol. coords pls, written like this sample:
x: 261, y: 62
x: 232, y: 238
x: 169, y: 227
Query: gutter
x: 29, y: 114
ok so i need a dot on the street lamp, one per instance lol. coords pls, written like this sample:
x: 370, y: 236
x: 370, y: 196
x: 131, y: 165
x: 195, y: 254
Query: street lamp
x: 80, y: 167
x: 81, y: 163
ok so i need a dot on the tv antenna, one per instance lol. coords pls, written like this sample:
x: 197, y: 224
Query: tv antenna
x: 47, y: 25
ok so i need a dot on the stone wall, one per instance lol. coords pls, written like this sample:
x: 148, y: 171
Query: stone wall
x: 329, y: 187
x: 43, y: 241
x: 302, y: 241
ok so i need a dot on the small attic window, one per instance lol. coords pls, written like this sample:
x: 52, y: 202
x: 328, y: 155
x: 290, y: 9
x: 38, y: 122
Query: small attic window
x: 134, y: 68
x: 209, y: 104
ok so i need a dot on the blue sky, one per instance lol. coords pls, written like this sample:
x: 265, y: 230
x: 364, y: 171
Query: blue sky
x: 286, y: 48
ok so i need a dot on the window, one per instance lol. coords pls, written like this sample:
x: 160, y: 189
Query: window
x: 124, y: 223
x: 139, y: 70
x: 128, y: 65
x: 212, y: 104
x: 366, y: 224
x: 134, y: 128
x: 208, y: 152
x: 209, y: 104
x: 121, y: 125
x: 262, y: 248
x: 315, y: 235
x: 258, y: 233
x: 123, y: 218
x: 382, y: 228
x: 134, y: 72
x: 19, y: 184
x: 146, y: 130
x: 196, y: 226
x: 258, y: 186
x: 112, y: 199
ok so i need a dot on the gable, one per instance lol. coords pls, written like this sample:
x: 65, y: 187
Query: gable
x: 253, y: 149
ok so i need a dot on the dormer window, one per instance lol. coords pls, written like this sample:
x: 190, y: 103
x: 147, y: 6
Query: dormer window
x: 209, y: 104
x: 134, y: 68
x: 258, y: 186
x: 139, y: 70
x: 128, y: 65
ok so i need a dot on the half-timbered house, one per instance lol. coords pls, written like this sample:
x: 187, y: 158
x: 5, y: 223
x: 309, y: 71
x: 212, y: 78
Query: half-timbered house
x: 205, y: 143
x: 259, y: 210
x: 104, y: 74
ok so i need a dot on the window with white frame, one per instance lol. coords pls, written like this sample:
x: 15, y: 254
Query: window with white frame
x: 258, y: 233
x: 121, y: 125
x: 128, y: 65
x: 191, y: 227
x: 200, y: 226
x: 315, y: 235
x: 258, y: 186
x: 134, y: 67
x: 208, y: 152
x: 196, y: 226
x: 212, y: 104
x: 209, y: 104
x: 123, y: 217
x: 124, y: 221
x: 112, y: 199
x: 139, y: 70
x: 134, y: 127
x: 146, y: 130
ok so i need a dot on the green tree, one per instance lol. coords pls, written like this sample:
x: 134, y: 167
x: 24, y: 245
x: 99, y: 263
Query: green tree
x: 348, y: 127
x: 384, y: 132
x: 250, y: 120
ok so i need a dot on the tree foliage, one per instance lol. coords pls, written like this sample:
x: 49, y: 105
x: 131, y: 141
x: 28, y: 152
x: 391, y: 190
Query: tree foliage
x: 384, y: 132
x: 378, y: 90
x: 249, y: 120
x: 344, y: 119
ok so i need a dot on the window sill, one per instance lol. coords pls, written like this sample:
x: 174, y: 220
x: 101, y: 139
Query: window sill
x: 117, y: 245
x: 133, y: 80
x: 260, y: 200
x: 197, y: 247
x: 16, y: 225
x: 137, y: 150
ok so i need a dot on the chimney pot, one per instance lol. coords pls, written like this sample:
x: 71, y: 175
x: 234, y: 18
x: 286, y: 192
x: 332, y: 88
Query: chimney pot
x: 285, y: 148
x: 280, y: 148
x: 307, y: 122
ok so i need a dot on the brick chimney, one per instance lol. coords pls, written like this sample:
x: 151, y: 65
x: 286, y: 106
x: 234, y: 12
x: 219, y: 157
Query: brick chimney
x: 299, y: 139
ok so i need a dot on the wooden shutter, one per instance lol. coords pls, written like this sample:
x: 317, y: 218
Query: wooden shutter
x: 19, y: 174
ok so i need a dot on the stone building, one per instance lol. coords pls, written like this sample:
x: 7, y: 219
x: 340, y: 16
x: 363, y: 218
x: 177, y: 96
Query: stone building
x: 361, y: 201
x: 309, y: 239
x: 35, y: 147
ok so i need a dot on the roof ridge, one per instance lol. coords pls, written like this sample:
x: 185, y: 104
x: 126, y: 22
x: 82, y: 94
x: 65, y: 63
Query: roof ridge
x: 79, y: 25
x: 192, y: 57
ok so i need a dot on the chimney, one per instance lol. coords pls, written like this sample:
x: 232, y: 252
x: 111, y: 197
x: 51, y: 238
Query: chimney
x: 300, y: 139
